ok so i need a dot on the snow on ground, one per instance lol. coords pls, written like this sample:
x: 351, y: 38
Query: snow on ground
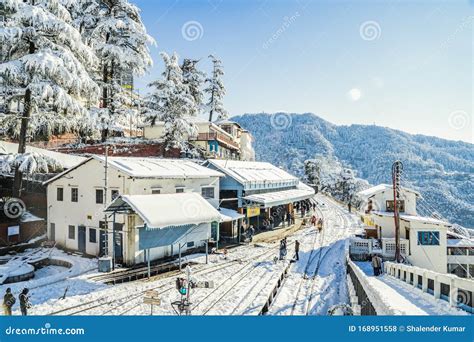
x: 52, y: 281
x: 317, y: 280
x: 243, y: 280
x: 404, y: 299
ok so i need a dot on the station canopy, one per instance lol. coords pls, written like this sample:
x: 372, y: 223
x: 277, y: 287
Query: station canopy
x: 228, y: 215
x: 165, y: 210
x: 272, y: 199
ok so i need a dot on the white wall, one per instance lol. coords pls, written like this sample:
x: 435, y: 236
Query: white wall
x: 430, y: 257
x: 89, y: 177
x: 379, y: 201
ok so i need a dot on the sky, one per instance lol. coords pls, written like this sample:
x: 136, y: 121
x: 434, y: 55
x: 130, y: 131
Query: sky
x: 402, y: 64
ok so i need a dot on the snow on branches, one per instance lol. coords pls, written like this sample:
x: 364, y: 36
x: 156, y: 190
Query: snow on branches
x: 172, y: 102
x: 331, y: 177
x: 216, y: 91
x: 44, y: 67
x: 113, y: 28
x: 29, y: 163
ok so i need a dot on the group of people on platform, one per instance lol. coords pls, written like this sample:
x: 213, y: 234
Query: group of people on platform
x: 9, y: 300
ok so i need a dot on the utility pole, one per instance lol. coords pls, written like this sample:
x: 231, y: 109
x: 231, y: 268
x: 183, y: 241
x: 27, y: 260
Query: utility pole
x: 397, y: 168
x: 106, y: 225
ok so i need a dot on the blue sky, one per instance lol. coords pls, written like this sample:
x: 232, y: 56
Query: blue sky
x: 402, y: 64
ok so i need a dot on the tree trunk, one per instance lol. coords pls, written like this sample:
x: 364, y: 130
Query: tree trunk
x: 18, y: 180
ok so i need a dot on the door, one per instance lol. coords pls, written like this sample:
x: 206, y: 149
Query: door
x: 52, y: 232
x: 81, y: 239
x: 118, y: 247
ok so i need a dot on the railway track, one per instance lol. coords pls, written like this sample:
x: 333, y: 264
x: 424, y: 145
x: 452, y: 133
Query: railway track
x: 241, y: 274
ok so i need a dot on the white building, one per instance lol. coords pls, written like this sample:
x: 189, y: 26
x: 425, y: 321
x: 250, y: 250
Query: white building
x: 77, y: 198
x: 425, y: 242
x: 224, y: 139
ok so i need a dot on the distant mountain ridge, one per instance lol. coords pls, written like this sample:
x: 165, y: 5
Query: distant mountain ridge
x: 442, y: 170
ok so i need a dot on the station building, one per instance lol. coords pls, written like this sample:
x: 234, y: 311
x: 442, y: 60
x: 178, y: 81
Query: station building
x: 256, y: 191
x: 78, y: 197
x: 425, y: 242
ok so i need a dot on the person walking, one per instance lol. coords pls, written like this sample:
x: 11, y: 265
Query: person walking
x: 24, y: 302
x: 282, y: 246
x: 376, y: 264
x: 8, y: 301
x: 297, y: 250
x: 251, y: 232
x: 313, y: 220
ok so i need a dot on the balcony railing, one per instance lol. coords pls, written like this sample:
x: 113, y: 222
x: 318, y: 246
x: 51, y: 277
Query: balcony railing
x: 219, y: 137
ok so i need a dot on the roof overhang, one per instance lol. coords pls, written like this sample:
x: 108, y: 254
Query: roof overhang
x: 272, y: 199
x: 165, y: 210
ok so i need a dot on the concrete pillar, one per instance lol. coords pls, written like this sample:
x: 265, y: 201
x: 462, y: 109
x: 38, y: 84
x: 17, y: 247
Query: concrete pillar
x: 424, y: 283
x: 437, y: 288
x: 407, y: 279
x: 453, y: 294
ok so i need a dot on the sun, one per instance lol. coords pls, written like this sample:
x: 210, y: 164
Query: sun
x: 355, y: 94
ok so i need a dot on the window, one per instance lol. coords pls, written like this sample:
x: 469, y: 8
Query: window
x: 74, y: 194
x: 114, y: 194
x: 391, y: 206
x: 207, y: 192
x: 99, y: 196
x: 60, y: 194
x: 92, y: 235
x: 72, y: 232
x: 428, y: 238
x: 190, y: 244
x: 156, y: 191
x: 179, y: 190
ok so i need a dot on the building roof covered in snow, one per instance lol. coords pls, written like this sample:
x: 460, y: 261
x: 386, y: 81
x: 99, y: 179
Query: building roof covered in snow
x: 165, y: 210
x: 66, y: 160
x: 254, y: 173
x: 367, y: 193
x: 270, y: 199
x: 228, y: 215
x: 139, y: 167
x: 460, y: 242
x: 413, y: 218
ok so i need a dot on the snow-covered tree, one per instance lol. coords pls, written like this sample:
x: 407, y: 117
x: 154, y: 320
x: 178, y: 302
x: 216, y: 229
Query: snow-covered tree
x: 115, y: 31
x: 172, y: 103
x: 193, y: 78
x: 29, y: 163
x: 216, y: 91
x: 44, y: 70
x: 329, y: 176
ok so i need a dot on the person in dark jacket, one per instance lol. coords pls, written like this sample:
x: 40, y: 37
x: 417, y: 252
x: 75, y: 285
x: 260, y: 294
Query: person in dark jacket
x: 24, y: 302
x: 297, y: 250
x: 8, y: 301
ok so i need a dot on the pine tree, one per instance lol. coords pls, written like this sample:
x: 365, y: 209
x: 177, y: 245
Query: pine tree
x: 172, y: 103
x: 44, y: 69
x: 115, y: 31
x: 193, y: 78
x: 216, y: 91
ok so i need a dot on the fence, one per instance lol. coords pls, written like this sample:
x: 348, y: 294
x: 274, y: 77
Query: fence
x: 364, y: 301
x: 361, y: 249
x: 458, y: 291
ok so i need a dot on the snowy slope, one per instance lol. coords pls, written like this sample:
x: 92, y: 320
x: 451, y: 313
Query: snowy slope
x: 442, y: 170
